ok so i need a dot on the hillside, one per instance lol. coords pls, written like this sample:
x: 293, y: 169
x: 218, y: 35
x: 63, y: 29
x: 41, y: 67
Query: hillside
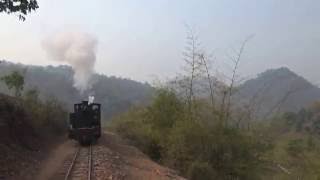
x: 278, y: 90
x: 115, y: 94
x: 275, y: 90
x: 25, y: 137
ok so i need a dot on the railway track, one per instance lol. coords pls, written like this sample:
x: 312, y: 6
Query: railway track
x: 81, y: 165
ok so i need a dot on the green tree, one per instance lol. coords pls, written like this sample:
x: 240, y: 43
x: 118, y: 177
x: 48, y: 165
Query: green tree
x: 165, y: 110
x: 32, y: 95
x: 295, y: 147
x: 22, y: 7
x: 15, y: 81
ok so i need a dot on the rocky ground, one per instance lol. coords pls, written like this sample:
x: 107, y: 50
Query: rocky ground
x: 113, y: 159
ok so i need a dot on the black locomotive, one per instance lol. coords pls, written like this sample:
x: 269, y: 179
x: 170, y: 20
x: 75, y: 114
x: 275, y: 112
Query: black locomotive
x: 85, y: 122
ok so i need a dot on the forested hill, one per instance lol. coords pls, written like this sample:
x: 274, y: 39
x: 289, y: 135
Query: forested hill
x: 278, y: 90
x: 115, y: 94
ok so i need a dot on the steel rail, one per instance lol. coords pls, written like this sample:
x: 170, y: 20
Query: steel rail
x: 90, y: 162
x: 72, y: 164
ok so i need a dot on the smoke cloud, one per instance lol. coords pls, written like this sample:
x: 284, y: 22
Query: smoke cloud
x: 76, y: 49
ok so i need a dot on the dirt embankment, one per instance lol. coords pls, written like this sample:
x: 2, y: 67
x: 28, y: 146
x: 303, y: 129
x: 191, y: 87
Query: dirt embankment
x: 18, y: 142
x: 21, y: 148
x: 112, y: 159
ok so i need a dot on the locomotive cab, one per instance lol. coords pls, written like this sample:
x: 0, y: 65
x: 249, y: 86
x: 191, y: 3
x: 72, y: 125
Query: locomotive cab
x: 85, y: 123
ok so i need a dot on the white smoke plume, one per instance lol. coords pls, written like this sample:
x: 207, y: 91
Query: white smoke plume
x: 76, y: 49
x: 90, y: 99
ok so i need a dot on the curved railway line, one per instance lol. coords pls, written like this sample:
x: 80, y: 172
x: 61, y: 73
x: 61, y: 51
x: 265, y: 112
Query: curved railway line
x: 80, y: 164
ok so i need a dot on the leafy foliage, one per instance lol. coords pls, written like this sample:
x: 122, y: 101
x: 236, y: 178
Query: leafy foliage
x: 198, y: 149
x: 49, y: 115
x: 27, y: 116
x: 305, y: 120
x: 14, y: 81
x: 295, y: 147
x: 22, y: 7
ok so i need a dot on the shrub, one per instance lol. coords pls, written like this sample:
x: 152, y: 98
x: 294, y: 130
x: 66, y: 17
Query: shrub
x: 201, y: 171
x: 49, y: 115
x: 295, y: 147
x: 196, y: 147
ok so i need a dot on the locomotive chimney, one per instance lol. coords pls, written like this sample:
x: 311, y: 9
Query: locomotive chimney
x: 85, y: 102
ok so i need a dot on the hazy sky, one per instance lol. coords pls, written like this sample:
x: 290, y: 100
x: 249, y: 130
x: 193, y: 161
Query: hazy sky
x: 143, y: 39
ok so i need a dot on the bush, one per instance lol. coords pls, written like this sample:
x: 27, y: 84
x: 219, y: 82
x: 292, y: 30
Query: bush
x: 46, y: 116
x: 196, y: 147
x: 201, y: 171
x: 295, y: 147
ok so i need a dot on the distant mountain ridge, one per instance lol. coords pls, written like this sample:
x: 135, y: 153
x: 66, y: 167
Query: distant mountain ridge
x: 272, y: 91
x: 115, y: 94
x: 278, y: 90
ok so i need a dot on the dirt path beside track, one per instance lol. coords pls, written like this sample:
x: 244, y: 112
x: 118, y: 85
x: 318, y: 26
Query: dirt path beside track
x: 112, y: 159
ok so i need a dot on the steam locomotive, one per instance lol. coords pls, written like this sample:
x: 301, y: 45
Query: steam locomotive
x: 85, y: 122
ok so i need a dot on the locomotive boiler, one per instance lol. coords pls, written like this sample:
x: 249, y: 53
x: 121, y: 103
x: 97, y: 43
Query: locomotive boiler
x: 85, y: 122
